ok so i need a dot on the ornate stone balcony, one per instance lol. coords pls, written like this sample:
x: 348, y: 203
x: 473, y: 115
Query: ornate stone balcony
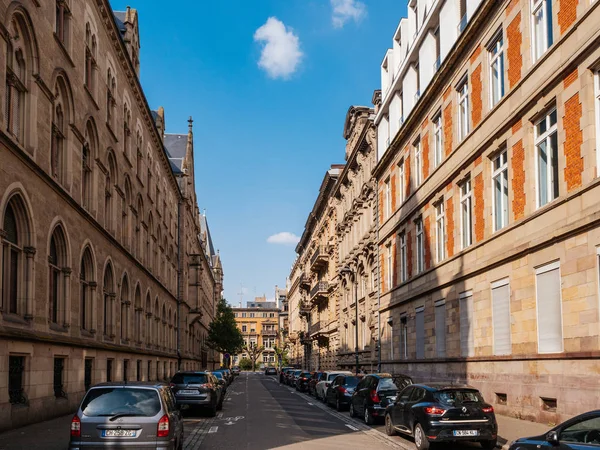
x: 320, y: 258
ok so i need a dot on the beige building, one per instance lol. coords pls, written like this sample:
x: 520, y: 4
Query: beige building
x: 313, y: 302
x: 259, y: 324
x: 488, y: 201
x: 356, y: 240
x: 107, y: 269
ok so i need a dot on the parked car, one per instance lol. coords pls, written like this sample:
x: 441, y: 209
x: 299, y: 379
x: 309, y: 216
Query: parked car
x: 340, y: 392
x: 198, y: 389
x: 293, y: 376
x: 235, y: 370
x: 579, y: 433
x: 312, y: 383
x: 302, y: 381
x: 374, y: 393
x: 284, y: 374
x: 227, y: 375
x: 440, y: 412
x: 270, y: 371
x: 221, y: 380
x: 133, y: 414
x: 326, y: 380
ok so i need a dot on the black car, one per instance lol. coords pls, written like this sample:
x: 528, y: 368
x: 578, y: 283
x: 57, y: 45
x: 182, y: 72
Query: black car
x: 579, y: 433
x: 220, y: 376
x: 312, y: 383
x: 270, y: 371
x: 439, y: 412
x: 339, y: 393
x: 302, y: 381
x: 374, y: 393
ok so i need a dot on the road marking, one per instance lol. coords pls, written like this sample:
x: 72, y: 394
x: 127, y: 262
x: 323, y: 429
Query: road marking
x: 351, y: 427
x: 310, y: 403
x: 213, y: 429
x: 219, y: 415
x: 229, y: 423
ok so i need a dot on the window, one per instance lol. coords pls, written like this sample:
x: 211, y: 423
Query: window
x: 243, y: 314
x: 440, y: 328
x: 418, y: 162
x: 391, y: 337
x: 244, y: 328
x: 403, y: 259
x: 126, y: 370
x: 88, y: 373
x: 500, y: 189
x: 87, y: 162
x: 440, y: 230
x: 138, y: 370
x: 251, y: 314
x: 420, y: 324
x: 109, y: 295
x: 466, y: 214
x: 139, y: 155
x: 56, y: 277
x: 90, y: 59
x: 501, y: 317
x: 420, y: 245
x: 58, y: 139
x: 403, y: 337
x: 124, y: 332
x: 580, y: 432
x: 12, y: 255
x: 16, y: 369
x: 496, y: 52
x: 466, y: 324
x: 549, y: 308
x: 390, y: 267
x: 126, y: 130
x: 63, y: 17
x: 387, y: 199
x: 546, y: 149
x: 437, y: 139
x: 109, y: 182
x: 402, y: 181
x: 109, y: 370
x: 541, y: 12
x: 463, y: 109
x: 111, y: 103
x: 149, y: 371
x: 59, y: 370
x: 85, y: 280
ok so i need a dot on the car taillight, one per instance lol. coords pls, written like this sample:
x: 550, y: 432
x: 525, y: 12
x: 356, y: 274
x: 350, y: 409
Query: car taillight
x: 434, y: 410
x: 488, y: 409
x: 303, y: 379
x: 76, y: 426
x: 342, y: 389
x: 172, y: 385
x: 163, y: 427
x: 375, y: 396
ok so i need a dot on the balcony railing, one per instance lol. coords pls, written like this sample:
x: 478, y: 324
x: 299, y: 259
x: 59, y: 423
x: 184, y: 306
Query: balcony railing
x: 319, y: 258
x: 304, y: 309
x: 315, y: 327
x: 269, y: 332
x: 304, y: 281
x: 437, y: 64
x: 319, y: 291
x: 462, y: 24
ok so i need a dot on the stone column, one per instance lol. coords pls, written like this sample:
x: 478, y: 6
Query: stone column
x: 66, y: 273
x: 30, y: 277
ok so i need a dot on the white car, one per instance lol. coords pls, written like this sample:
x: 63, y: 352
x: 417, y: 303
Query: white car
x: 322, y: 386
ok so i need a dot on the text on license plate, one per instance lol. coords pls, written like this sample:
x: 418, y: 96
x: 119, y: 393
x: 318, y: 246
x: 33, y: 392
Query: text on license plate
x: 118, y: 433
x: 187, y: 392
x: 465, y: 432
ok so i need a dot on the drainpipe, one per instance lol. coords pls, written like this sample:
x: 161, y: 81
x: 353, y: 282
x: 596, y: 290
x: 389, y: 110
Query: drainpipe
x: 378, y: 284
x: 179, y: 280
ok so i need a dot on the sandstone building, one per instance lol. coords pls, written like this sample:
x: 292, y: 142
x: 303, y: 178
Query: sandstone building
x: 259, y: 324
x: 488, y: 201
x: 107, y: 269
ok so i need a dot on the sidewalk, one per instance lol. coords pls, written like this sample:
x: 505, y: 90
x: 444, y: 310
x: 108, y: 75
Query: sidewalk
x: 510, y: 429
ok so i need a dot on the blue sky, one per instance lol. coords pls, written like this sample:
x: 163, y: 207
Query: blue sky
x: 269, y: 99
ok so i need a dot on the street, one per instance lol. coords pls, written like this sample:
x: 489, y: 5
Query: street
x: 259, y: 413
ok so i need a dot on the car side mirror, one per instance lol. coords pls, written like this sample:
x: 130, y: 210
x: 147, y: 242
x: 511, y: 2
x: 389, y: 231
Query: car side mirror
x: 552, y: 437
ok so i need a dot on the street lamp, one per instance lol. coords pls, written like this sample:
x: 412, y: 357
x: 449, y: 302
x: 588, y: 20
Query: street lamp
x: 348, y: 271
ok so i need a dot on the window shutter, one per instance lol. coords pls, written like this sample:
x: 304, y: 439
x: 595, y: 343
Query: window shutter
x: 550, y: 339
x: 420, y: 324
x: 501, y: 316
x: 440, y: 329
x: 467, y: 347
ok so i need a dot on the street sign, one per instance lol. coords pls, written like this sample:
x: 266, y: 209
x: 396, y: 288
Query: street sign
x: 226, y: 356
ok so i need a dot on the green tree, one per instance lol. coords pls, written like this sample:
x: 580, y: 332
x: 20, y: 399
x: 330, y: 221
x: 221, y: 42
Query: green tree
x: 254, y: 352
x: 283, y: 352
x: 223, y: 334
x: 245, y: 364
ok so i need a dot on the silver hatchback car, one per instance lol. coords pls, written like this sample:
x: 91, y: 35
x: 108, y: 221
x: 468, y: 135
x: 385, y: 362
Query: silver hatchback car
x: 128, y: 415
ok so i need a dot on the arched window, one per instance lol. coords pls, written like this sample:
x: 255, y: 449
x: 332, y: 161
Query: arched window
x: 168, y: 327
x: 139, y: 156
x: 108, y: 193
x: 90, y: 59
x: 149, y: 236
x: 17, y: 60
x: 126, y: 206
x: 86, y: 281
x: 148, y: 321
x: 108, y: 295
x: 126, y: 130
x: 163, y: 342
x: 87, y: 164
x: 125, y: 309
x: 138, y: 229
x: 57, y: 278
x: 156, y: 328
x: 60, y: 119
x: 138, y: 315
x: 63, y: 22
x: 111, y: 104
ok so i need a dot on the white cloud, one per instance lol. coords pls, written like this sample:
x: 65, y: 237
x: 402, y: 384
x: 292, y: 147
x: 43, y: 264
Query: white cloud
x: 283, y: 238
x: 345, y: 10
x: 281, y: 54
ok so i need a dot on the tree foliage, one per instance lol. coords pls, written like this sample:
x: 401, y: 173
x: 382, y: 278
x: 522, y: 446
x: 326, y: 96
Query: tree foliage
x: 254, y: 352
x: 245, y: 364
x: 223, y: 334
x: 282, y: 351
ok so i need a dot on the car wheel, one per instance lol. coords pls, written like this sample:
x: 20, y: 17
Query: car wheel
x: 369, y: 419
x: 489, y: 445
x: 389, y: 426
x: 352, y: 411
x: 420, y: 439
x: 338, y: 406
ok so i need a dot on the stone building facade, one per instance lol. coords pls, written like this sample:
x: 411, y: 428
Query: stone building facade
x: 356, y: 239
x: 488, y: 201
x: 259, y: 324
x: 106, y: 272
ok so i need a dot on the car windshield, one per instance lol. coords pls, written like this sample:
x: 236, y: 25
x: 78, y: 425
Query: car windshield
x: 331, y: 376
x: 189, y: 378
x: 351, y: 381
x: 297, y: 372
x: 110, y: 401
x: 386, y: 384
x: 453, y: 397
x: 219, y: 375
x: 305, y: 375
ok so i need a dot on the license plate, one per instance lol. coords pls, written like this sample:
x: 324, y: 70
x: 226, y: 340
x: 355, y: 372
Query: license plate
x: 187, y: 392
x: 118, y: 433
x: 465, y: 433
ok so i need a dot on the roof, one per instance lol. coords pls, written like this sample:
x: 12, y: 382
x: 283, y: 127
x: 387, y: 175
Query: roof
x: 176, y: 147
x: 205, y: 230
x: 120, y: 21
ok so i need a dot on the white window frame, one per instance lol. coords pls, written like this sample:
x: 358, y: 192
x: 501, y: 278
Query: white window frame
x: 546, y: 7
x: 401, y: 181
x: 390, y: 266
x: 438, y: 140
x: 387, y: 198
x: 420, y: 245
x: 538, y: 271
x: 503, y: 167
x: 496, y: 55
x: 440, y: 230
x: 418, y: 162
x: 546, y: 138
x: 403, y: 260
x: 463, y: 108
x: 466, y: 220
